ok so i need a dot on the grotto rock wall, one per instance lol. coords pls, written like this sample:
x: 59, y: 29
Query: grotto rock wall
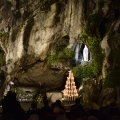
x: 28, y: 29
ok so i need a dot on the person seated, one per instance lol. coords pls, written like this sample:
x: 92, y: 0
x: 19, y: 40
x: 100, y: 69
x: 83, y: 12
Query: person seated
x: 116, y: 118
x: 113, y: 110
x: 92, y: 118
x: 58, y: 102
x: 77, y: 109
x: 6, y: 103
x: 55, y: 113
x: 46, y: 109
x: 7, y: 117
x: 11, y: 106
x: 33, y: 113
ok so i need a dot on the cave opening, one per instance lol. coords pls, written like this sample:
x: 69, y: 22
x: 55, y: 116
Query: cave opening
x: 82, y: 53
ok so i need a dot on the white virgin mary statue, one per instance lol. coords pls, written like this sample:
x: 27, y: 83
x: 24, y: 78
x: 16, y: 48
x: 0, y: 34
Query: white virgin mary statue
x: 85, y: 53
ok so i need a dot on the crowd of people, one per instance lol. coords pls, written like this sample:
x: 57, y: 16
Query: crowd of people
x: 12, y: 110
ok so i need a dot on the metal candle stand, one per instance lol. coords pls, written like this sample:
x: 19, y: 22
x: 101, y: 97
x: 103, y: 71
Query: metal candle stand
x: 70, y: 91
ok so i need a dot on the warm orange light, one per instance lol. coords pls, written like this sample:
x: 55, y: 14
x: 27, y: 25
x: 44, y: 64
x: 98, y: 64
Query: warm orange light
x: 70, y: 92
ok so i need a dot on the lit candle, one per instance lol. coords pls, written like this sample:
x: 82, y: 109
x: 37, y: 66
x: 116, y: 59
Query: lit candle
x: 68, y: 78
x: 76, y: 95
x: 66, y: 82
x: 66, y: 86
x: 72, y: 80
x: 73, y: 83
x: 72, y: 91
x: 75, y: 87
x: 71, y: 74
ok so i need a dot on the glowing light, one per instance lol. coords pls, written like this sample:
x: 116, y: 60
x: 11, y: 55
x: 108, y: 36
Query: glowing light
x: 70, y: 92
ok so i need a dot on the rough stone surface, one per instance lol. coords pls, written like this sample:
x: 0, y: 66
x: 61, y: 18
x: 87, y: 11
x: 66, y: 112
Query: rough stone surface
x: 29, y: 28
x: 107, y: 96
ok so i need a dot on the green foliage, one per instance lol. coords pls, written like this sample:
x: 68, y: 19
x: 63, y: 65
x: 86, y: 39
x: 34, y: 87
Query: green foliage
x: 88, y: 71
x: 91, y: 37
x: 94, y: 17
x: 39, y: 98
x: 65, y: 54
x: 83, y: 72
x: 60, y: 46
x: 3, y: 34
x: 97, y: 56
x: 52, y: 59
x: 95, y: 20
x: 93, y: 44
x: 60, y: 52
x: 101, y: 4
x: 112, y: 79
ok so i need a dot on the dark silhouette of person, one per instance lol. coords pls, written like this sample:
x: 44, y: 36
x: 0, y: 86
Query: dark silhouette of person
x: 46, y: 109
x: 33, y: 111
x: 11, y: 106
x: 113, y: 110
x: 58, y: 102
x: 77, y: 109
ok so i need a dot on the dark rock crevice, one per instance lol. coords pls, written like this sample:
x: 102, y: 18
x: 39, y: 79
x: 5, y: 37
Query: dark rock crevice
x: 102, y: 27
x: 27, y: 32
x: 24, y: 68
x: 17, y: 4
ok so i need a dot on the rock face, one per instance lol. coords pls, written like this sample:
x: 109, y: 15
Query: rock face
x: 92, y: 92
x: 29, y: 29
x: 107, y: 96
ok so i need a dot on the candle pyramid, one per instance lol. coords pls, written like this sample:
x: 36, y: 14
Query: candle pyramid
x: 70, y: 92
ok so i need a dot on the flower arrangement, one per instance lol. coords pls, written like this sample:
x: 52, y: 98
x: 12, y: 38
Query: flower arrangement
x: 39, y: 98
